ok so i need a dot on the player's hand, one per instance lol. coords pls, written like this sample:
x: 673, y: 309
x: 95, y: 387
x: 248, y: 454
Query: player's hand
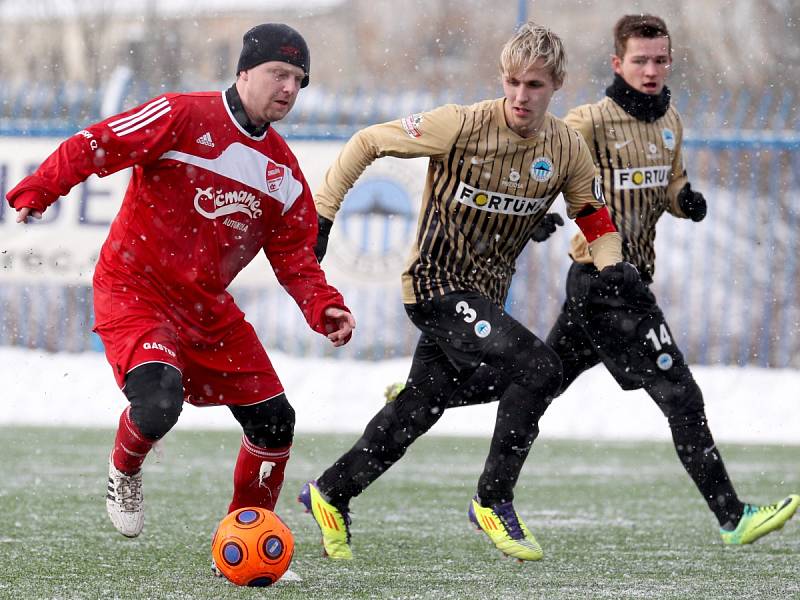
x: 621, y: 284
x: 324, y: 226
x: 25, y: 212
x: 339, y: 326
x: 546, y: 227
x: 692, y: 203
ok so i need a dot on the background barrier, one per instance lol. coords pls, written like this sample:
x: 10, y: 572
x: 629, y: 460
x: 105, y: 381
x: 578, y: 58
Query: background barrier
x: 728, y: 285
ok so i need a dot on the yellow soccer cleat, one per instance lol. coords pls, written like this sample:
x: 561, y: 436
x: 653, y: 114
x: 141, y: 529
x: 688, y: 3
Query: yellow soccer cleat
x: 333, y: 523
x: 393, y: 390
x: 506, y: 530
x: 758, y: 521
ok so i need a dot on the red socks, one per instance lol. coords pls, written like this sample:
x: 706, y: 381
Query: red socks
x: 130, y: 446
x: 258, y: 476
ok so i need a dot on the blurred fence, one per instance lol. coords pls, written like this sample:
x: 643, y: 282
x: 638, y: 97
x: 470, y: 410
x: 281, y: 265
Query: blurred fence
x: 34, y: 108
x: 730, y: 286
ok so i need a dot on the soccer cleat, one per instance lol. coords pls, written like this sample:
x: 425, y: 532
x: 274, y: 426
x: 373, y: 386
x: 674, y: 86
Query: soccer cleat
x: 393, y: 390
x: 334, y: 524
x: 506, y: 530
x: 124, y: 501
x: 214, y: 570
x: 758, y: 521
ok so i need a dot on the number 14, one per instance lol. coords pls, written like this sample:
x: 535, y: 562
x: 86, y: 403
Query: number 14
x: 665, y: 339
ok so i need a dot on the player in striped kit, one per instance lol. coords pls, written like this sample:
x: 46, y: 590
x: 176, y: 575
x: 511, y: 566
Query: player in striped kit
x: 212, y: 185
x: 495, y: 168
x: 635, y: 136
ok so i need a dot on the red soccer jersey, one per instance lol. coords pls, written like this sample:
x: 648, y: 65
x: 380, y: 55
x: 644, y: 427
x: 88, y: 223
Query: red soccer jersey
x: 205, y: 196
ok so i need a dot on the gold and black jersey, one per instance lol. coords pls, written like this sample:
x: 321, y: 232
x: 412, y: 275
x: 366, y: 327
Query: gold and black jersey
x: 642, y: 169
x: 486, y: 190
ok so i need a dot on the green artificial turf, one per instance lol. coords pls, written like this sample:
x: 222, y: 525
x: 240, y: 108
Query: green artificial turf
x: 616, y: 520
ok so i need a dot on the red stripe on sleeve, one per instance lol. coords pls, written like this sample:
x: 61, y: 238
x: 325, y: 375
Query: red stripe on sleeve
x: 596, y: 224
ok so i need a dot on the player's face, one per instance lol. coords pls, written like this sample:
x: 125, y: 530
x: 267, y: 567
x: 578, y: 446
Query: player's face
x: 528, y: 95
x: 269, y: 90
x: 646, y: 64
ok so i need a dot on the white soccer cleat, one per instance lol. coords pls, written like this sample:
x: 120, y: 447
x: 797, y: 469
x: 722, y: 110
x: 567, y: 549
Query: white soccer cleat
x: 214, y: 570
x: 124, y: 501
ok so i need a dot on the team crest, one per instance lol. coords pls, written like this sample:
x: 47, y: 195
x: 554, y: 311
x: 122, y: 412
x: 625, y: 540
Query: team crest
x: 274, y: 176
x: 542, y: 168
x: 669, y: 138
x: 483, y: 329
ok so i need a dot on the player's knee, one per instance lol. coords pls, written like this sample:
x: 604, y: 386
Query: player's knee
x: 540, y: 371
x: 679, y: 399
x: 268, y: 424
x: 420, y: 417
x: 687, y: 421
x: 155, y: 391
x: 410, y: 415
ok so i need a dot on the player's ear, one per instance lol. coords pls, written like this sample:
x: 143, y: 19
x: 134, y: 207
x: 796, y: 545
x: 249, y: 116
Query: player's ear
x: 616, y: 64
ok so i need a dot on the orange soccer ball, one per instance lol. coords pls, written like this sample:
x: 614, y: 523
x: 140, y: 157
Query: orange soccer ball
x: 252, y: 547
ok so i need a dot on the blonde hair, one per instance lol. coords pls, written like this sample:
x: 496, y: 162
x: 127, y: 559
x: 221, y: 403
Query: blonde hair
x: 532, y: 42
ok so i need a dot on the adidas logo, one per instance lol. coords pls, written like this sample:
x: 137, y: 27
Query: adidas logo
x: 206, y: 140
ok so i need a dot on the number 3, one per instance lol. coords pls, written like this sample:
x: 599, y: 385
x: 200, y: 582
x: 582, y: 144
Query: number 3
x: 469, y: 314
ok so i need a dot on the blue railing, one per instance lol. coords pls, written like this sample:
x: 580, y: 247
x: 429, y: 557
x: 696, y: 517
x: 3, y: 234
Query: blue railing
x: 36, y: 109
x: 729, y: 286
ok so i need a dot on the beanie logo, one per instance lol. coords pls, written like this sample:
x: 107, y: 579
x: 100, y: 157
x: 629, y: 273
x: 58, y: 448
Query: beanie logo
x: 274, y: 176
x: 291, y: 52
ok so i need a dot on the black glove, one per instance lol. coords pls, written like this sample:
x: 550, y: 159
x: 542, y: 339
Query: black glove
x: 546, y: 227
x: 621, y: 284
x: 692, y: 203
x: 321, y: 247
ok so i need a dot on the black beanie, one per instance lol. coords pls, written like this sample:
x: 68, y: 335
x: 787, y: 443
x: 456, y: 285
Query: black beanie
x: 274, y: 41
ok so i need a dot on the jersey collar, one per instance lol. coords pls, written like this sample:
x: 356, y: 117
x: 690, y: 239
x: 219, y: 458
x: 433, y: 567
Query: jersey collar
x: 236, y: 109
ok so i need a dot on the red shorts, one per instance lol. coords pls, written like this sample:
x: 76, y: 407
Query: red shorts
x: 137, y: 329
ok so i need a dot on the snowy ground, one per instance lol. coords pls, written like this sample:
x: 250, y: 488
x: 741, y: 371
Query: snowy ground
x: 743, y: 405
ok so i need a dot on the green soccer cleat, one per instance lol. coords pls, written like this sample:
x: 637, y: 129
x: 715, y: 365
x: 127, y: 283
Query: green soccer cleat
x: 506, y: 530
x: 758, y: 521
x: 333, y: 523
x: 393, y: 390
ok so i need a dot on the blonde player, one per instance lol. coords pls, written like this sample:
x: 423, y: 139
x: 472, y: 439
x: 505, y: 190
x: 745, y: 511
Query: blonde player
x: 495, y: 168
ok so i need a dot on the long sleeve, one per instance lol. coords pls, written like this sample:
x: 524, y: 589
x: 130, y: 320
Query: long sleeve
x: 133, y: 137
x: 290, y: 252
x: 678, y: 177
x: 585, y: 190
x: 424, y: 134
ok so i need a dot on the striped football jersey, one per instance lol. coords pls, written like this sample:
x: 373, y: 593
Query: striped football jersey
x: 641, y: 166
x: 486, y: 190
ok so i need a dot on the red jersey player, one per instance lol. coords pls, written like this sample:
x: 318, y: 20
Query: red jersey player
x: 212, y: 185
